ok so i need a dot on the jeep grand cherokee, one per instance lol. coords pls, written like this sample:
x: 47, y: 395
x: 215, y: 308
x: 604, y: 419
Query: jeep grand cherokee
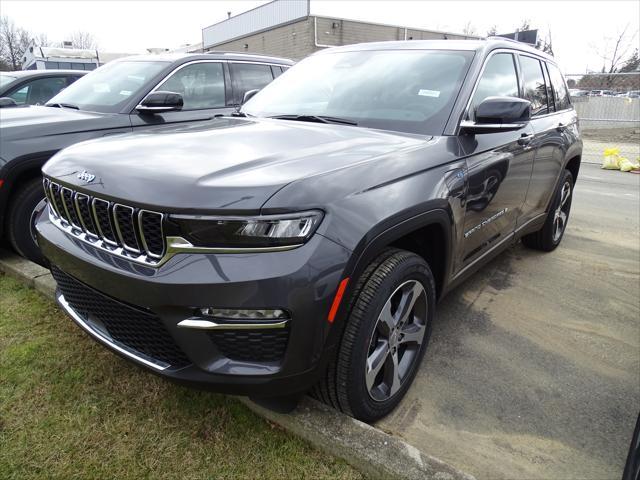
x: 302, y: 243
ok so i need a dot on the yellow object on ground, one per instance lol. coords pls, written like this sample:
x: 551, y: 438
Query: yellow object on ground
x: 627, y: 165
x: 611, y: 159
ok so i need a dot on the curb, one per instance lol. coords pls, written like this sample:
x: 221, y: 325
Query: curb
x: 373, y: 452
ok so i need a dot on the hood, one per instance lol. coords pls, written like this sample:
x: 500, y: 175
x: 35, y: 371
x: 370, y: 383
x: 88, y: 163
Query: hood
x: 26, y: 122
x: 230, y: 164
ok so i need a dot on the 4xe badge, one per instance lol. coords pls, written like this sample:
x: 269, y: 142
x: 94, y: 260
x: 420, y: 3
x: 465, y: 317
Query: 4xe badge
x: 86, y: 176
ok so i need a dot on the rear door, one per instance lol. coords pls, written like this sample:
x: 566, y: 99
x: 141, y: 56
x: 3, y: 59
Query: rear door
x: 203, y: 88
x: 499, y: 165
x: 552, y: 115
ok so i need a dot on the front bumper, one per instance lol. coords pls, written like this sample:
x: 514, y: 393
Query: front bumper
x: 128, y: 306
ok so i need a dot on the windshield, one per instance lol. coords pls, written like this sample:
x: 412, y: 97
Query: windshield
x: 402, y: 90
x: 108, y: 88
x: 5, y: 79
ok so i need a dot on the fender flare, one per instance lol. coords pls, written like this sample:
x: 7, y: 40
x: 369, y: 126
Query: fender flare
x: 380, y: 237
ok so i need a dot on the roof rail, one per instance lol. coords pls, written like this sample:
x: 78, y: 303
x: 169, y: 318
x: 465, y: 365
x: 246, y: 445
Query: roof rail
x: 241, y: 54
x: 505, y: 39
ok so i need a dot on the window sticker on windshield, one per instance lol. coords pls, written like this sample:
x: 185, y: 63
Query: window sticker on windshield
x: 126, y: 93
x: 429, y: 93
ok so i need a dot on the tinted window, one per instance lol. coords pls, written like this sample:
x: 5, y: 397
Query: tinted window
x: 110, y: 87
x: 499, y: 79
x: 38, y: 92
x: 5, y: 79
x: 277, y: 71
x: 535, y: 89
x: 248, y: 76
x: 400, y: 90
x: 560, y: 92
x: 200, y: 84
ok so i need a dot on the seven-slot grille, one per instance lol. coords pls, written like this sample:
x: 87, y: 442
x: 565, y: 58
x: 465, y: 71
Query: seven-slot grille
x: 132, y: 229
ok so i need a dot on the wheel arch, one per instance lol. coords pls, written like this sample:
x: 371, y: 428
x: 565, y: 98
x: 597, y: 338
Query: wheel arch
x: 427, y: 234
x: 15, y: 173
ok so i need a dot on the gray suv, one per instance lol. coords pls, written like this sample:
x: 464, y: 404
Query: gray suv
x: 123, y: 96
x: 303, y: 244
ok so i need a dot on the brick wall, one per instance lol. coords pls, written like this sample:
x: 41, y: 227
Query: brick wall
x: 296, y: 40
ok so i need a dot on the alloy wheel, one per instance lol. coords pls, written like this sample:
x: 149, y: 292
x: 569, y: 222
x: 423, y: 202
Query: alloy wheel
x: 396, y: 340
x: 562, y: 212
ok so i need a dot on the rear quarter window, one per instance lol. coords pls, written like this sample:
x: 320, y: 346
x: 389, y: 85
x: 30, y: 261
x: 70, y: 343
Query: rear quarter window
x: 559, y: 87
x: 535, y: 89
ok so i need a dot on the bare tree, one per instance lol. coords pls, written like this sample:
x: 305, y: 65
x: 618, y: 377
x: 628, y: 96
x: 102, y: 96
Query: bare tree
x: 469, y: 30
x: 41, y: 40
x: 546, y: 44
x: 631, y: 64
x: 14, y: 41
x: 524, y: 26
x: 83, y: 40
x: 614, y: 50
x: 492, y: 32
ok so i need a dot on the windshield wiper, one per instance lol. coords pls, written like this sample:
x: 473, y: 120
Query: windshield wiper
x: 316, y: 118
x: 61, y: 105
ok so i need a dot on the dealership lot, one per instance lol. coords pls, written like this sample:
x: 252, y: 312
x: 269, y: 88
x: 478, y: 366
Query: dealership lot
x: 533, y: 367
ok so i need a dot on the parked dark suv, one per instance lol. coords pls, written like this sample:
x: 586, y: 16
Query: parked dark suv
x: 122, y: 96
x: 304, y: 244
x: 34, y: 87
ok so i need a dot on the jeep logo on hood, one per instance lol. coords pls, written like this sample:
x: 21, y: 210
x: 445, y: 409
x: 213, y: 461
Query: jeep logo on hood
x: 86, y: 176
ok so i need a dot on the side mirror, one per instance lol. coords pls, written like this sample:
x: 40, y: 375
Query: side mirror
x: 248, y: 95
x: 158, y: 102
x: 7, y: 102
x: 499, y: 114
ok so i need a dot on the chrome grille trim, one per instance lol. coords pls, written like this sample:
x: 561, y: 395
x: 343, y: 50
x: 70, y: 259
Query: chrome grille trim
x: 116, y: 207
x: 96, y: 219
x: 141, y: 213
x: 90, y: 230
x: 70, y: 213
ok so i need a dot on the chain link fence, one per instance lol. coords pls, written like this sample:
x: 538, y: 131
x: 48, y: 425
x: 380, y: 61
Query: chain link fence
x: 608, y: 106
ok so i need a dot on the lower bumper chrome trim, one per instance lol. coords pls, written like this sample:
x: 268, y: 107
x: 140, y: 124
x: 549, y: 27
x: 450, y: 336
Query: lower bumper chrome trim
x: 209, y: 325
x: 155, y: 364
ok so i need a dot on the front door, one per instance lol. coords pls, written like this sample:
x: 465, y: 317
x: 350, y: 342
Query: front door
x: 203, y: 89
x: 498, y: 167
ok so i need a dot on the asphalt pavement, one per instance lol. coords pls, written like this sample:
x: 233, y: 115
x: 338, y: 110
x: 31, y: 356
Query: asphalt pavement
x: 533, y: 370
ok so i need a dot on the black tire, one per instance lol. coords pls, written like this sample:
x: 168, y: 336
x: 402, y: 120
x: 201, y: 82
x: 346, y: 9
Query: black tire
x: 548, y: 238
x: 344, y: 385
x: 20, y: 220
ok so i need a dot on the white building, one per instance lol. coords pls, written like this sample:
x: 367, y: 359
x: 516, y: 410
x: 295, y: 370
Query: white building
x: 47, y: 58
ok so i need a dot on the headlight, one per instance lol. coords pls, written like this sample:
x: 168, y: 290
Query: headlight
x: 238, y: 232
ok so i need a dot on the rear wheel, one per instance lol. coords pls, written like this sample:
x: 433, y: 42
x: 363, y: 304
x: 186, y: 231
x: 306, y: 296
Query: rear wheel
x: 23, y: 211
x: 551, y: 233
x: 385, y: 337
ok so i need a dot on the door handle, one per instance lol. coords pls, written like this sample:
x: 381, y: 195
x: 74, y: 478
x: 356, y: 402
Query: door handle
x: 525, y: 139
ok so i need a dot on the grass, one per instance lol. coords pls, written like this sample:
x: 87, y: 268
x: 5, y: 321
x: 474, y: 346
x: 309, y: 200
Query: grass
x: 71, y: 409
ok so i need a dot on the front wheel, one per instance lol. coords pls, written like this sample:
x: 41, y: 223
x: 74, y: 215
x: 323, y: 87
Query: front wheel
x: 23, y: 211
x: 385, y: 337
x: 551, y: 233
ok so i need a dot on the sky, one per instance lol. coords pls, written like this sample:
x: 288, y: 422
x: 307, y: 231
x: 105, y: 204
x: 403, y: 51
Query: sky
x: 580, y: 30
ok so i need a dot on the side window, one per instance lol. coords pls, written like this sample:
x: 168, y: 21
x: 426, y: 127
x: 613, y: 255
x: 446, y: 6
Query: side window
x: 248, y: 76
x: 499, y: 79
x: 560, y: 91
x: 20, y: 96
x: 200, y: 84
x: 38, y: 92
x: 535, y: 89
x: 277, y: 71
